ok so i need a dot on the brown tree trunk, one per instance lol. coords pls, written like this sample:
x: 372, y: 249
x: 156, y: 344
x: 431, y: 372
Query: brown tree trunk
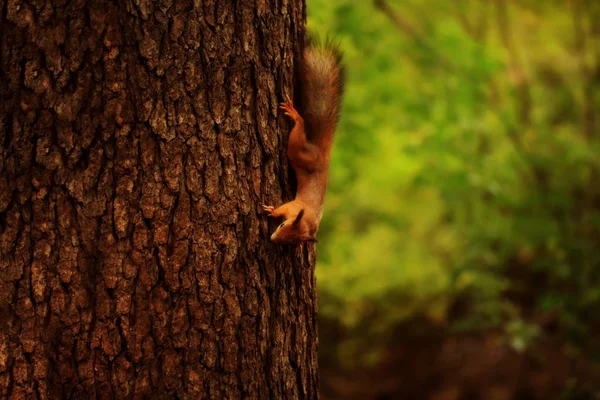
x: 139, y: 139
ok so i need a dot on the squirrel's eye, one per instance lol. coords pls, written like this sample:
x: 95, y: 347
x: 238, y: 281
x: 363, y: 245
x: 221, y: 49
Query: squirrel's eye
x: 281, y: 226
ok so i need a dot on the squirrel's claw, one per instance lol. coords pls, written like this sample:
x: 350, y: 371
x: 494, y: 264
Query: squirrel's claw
x: 288, y: 108
x: 268, y: 209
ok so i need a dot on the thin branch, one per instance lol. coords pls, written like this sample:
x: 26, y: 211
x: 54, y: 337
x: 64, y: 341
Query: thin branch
x: 589, y: 116
x: 409, y: 30
x: 401, y: 23
x: 466, y: 24
x: 517, y: 71
x: 477, y: 28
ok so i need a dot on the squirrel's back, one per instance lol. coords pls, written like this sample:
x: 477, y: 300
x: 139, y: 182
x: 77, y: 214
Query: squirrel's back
x: 322, y: 85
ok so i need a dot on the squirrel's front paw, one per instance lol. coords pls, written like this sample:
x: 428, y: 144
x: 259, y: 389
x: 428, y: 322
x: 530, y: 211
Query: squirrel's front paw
x: 268, y: 209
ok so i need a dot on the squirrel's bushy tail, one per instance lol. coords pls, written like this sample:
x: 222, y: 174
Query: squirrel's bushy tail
x: 322, y: 80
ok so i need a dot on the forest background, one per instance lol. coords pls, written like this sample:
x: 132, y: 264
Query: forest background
x: 458, y: 255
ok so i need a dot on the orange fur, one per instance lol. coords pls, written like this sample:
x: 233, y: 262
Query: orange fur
x: 310, y: 142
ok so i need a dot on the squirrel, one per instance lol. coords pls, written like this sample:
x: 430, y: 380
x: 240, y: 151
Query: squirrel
x: 321, y: 76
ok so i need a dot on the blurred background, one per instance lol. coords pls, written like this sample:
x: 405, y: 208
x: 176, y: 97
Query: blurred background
x: 459, y: 256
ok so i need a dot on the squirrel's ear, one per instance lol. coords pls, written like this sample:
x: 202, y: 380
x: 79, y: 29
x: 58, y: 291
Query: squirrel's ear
x: 299, y: 217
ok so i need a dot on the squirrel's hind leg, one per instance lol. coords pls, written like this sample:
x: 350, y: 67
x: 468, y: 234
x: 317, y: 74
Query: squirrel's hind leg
x: 288, y: 107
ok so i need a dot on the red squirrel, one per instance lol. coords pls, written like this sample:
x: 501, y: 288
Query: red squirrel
x: 311, y: 138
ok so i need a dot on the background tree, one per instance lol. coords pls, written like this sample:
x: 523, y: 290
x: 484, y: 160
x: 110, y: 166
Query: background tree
x: 138, y: 140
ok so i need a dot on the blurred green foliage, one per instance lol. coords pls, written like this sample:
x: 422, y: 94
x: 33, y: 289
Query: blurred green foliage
x: 466, y: 166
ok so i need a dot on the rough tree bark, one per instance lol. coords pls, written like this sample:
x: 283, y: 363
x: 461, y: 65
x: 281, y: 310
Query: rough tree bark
x: 139, y: 139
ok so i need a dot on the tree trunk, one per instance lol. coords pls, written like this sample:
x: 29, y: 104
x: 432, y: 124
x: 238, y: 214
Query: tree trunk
x: 139, y: 139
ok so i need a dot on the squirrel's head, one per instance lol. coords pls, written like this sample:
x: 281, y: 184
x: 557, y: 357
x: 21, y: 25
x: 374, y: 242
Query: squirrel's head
x: 294, y: 231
